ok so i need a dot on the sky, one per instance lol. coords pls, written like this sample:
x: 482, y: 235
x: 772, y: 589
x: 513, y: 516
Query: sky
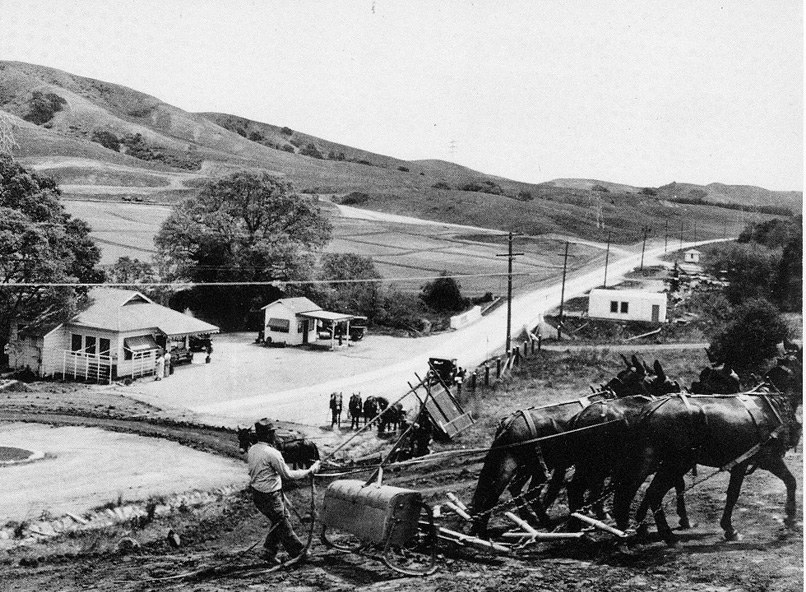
x: 633, y: 92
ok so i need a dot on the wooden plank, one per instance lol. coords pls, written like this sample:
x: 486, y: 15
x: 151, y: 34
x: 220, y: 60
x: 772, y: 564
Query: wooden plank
x: 599, y: 524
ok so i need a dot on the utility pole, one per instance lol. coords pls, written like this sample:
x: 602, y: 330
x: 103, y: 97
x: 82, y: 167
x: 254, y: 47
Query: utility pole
x: 646, y: 230
x: 607, y: 257
x: 666, y: 234
x: 511, y: 256
x: 562, y: 293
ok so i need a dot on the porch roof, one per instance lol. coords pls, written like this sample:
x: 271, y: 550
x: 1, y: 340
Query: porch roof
x: 324, y: 315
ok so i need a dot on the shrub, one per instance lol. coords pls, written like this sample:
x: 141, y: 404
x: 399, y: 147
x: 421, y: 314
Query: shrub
x: 286, y: 131
x: 648, y: 191
x: 525, y: 196
x: 312, y: 151
x: 356, y: 198
x: 441, y: 185
x: 137, y: 147
x: 106, y: 139
x: 601, y: 188
x: 296, y: 141
x: 483, y: 187
x: 42, y: 107
x: 443, y: 294
x: 751, y: 338
x: 364, y: 162
x: 256, y: 136
x: 404, y: 169
x: 288, y: 148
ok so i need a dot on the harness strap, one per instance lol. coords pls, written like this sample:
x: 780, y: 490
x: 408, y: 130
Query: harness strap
x: 530, y: 423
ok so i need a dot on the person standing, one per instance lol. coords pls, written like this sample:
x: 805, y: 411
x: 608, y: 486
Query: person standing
x: 267, y: 470
x: 160, y: 364
x: 169, y: 369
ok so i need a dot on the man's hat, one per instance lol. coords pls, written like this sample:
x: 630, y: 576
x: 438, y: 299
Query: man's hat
x: 264, y: 426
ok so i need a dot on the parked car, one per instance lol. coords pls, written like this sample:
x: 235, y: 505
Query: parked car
x: 181, y: 355
x: 200, y: 343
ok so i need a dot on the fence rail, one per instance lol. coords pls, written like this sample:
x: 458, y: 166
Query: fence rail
x: 87, y: 366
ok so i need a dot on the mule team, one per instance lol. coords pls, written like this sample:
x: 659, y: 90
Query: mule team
x: 642, y: 423
x: 371, y: 409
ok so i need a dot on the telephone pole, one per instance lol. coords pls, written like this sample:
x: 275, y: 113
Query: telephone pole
x: 562, y: 293
x: 666, y: 234
x: 510, y: 256
x: 646, y: 230
x: 607, y: 257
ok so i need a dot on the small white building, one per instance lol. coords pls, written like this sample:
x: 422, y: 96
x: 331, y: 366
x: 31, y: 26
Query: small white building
x: 117, y: 333
x: 692, y: 256
x: 296, y: 321
x: 627, y: 305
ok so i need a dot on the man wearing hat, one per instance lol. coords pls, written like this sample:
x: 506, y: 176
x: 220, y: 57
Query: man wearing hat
x: 267, y: 470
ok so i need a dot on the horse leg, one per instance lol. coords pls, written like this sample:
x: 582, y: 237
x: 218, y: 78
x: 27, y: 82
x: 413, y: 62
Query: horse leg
x: 630, y: 475
x: 663, y: 481
x: 737, y: 474
x: 497, y: 472
x: 679, y: 491
x: 776, y: 465
x: 522, y: 503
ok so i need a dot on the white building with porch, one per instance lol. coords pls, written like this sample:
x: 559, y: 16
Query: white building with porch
x: 297, y: 321
x: 627, y: 305
x: 118, y: 333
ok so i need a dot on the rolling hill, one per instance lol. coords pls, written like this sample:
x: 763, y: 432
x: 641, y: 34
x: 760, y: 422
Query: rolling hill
x: 106, y: 141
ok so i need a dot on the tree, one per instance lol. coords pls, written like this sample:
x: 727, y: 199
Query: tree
x: 352, y: 297
x: 136, y: 274
x: 788, y: 286
x: 246, y: 227
x: 751, y: 339
x: 443, y: 294
x: 749, y: 269
x: 40, y: 245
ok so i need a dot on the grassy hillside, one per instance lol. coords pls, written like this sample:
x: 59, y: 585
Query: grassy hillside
x: 109, y: 142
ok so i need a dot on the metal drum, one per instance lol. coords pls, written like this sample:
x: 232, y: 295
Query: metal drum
x: 376, y: 514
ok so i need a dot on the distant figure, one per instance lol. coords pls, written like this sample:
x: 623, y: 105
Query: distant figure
x: 355, y: 409
x: 335, y: 409
x: 160, y: 365
x: 209, y: 353
x: 169, y: 365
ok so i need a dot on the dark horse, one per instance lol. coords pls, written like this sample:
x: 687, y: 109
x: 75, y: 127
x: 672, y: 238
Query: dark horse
x: 335, y: 409
x: 716, y: 380
x: 733, y: 432
x: 299, y: 453
x: 354, y: 408
x: 515, y: 458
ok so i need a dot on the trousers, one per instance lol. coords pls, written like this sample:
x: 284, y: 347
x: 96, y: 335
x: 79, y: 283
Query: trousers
x: 272, y: 506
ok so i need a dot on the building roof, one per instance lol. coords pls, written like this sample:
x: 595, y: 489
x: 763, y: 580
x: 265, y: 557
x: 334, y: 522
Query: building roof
x: 693, y: 251
x: 646, y: 294
x: 127, y: 310
x: 324, y: 315
x: 295, y: 305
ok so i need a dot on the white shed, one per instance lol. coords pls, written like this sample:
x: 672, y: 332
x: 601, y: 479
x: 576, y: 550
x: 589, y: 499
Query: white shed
x: 692, y: 256
x: 627, y: 305
x: 282, y: 325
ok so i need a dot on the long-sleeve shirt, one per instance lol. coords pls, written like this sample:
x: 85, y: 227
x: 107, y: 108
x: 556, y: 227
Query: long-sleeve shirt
x: 267, y: 468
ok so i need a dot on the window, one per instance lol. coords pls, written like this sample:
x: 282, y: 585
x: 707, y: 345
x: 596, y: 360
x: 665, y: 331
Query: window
x: 75, y: 342
x: 613, y: 306
x: 89, y: 345
x: 103, y: 346
x: 625, y: 307
x: 302, y: 326
x: 279, y: 325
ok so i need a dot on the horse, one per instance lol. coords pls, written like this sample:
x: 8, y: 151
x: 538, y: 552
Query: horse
x: 515, y: 458
x: 733, y: 432
x: 335, y: 409
x: 354, y: 408
x: 370, y: 409
x: 603, y: 439
x: 297, y: 452
x: 717, y: 380
x: 390, y: 418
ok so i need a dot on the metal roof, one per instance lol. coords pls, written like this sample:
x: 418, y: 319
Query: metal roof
x: 127, y: 310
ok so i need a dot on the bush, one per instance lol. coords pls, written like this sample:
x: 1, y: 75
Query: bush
x: 106, y: 139
x: 648, y: 191
x: 356, y: 198
x: 749, y: 269
x: 443, y: 294
x: 312, y: 151
x: 288, y: 148
x: 751, y: 338
x: 256, y: 136
x: 400, y: 310
x: 601, y: 188
x: 333, y: 156
x: 404, y: 169
x: 286, y: 131
x: 42, y: 107
x: 137, y: 147
x: 525, y: 196
x: 483, y: 187
x: 441, y: 185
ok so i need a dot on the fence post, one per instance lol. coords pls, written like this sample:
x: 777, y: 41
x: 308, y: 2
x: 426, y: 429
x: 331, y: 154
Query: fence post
x: 518, y: 355
x: 539, y: 343
x: 486, y: 374
x: 533, y: 345
x: 474, y: 380
x: 525, y: 349
x: 498, y: 367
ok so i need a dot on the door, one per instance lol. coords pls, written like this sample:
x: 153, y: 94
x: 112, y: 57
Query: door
x: 304, y: 329
x: 656, y: 313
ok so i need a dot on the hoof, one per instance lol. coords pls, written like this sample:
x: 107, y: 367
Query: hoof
x: 686, y: 524
x: 733, y: 535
